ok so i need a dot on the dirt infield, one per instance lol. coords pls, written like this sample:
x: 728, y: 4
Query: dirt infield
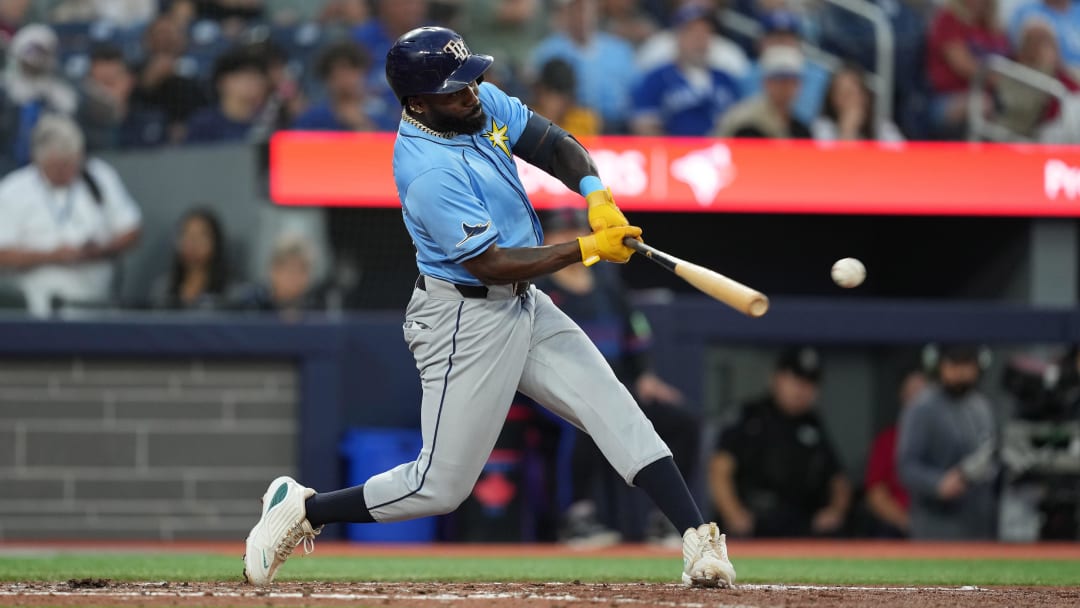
x: 507, y: 595
x: 97, y: 592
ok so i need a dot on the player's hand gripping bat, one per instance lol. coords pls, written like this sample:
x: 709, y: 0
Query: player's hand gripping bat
x: 736, y: 295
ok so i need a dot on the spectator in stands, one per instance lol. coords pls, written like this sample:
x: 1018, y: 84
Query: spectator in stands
x: 347, y: 107
x: 289, y: 287
x: 946, y: 453
x: 65, y: 220
x: 852, y: 37
x: 769, y: 113
x: 684, y: 97
x: 243, y: 86
x: 723, y: 55
x: 109, y: 116
x: 849, y: 111
x: 1025, y: 110
x: 31, y: 88
x: 1064, y: 18
x: 781, y: 28
x: 198, y: 276
x: 121, y: 13
x: 775, y: 472
x: 962, y: 35
x: 886, y: 498
x: 555, y: 97
x: 160, y: 84
x: 13, y: 15
x: 603, y: 63
x: 597, y: 301
x: 628, y: 20
x: 392, y: 19
x: 506, y: 29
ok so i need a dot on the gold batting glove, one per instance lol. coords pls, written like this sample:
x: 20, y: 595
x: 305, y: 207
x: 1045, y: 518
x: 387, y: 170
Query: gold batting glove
x: 602, y: 211
x: 608, y: 245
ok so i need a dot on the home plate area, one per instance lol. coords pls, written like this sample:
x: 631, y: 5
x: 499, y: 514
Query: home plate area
x: 98, y: 592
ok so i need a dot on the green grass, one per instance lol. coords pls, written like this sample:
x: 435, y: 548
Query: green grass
x: 151, y: 567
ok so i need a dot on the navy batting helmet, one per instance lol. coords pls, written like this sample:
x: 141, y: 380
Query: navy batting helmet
x: 432, y: 60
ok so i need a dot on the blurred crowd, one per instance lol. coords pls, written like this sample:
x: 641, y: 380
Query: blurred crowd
x: 138, y: 73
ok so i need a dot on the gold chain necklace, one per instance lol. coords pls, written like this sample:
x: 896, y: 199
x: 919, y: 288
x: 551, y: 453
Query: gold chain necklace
x: 426, y: 129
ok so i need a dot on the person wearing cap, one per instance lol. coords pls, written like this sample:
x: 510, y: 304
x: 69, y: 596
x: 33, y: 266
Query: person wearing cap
x: 768, y: 115
x: 784, y: 29
x: 946, y: 452
x: 604, y: 63
x: 30, y: 88
x: 596, y: 299
x: 774, y: 472
x: 686, y: 96
x: 243, y: 86
x: 1063, y: 16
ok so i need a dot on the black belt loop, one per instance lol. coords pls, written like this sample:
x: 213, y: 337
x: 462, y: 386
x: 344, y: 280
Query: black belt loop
x: 479, y: 292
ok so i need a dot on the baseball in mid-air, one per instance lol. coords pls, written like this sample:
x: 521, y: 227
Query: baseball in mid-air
x: 848, y: 272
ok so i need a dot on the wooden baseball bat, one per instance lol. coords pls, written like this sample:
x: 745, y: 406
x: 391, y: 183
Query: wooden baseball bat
x: 748, y: 301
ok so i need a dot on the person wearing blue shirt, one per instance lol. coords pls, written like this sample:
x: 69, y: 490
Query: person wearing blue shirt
x: 604, y: 64
x: 243, y: 87
x: 347, y: 107
x: 392, y: 19
x: 684, y: 97
x: 477, y: 327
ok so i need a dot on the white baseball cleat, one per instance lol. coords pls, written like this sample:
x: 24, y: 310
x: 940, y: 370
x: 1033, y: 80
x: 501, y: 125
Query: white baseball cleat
x: 282, y: 526
x: 705, y: 560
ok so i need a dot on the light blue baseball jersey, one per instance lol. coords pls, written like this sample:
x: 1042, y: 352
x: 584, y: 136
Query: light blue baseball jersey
x: 460, y: 195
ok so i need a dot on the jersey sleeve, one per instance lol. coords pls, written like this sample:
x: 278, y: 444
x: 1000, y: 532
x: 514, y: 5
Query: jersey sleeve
x: 121, y: 210
x: 451, y: 214
x: 505, y: 110
x: 647, y: 95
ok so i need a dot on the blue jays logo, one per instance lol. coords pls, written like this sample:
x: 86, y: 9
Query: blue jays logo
x: 472, y: 230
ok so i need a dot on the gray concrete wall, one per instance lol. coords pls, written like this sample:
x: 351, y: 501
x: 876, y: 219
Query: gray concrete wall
x: 168, y: 182
x: 141, y: 449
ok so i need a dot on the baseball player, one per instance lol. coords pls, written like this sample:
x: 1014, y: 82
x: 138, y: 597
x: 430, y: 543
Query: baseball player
x: 478, y: 329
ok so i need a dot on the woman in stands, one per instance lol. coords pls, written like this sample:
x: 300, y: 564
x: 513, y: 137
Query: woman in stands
x: 848, y: 112
x: 198, y: 277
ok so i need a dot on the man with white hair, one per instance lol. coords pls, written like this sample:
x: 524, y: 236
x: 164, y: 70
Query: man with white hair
x: 64, y: 219
x: 30, y: 88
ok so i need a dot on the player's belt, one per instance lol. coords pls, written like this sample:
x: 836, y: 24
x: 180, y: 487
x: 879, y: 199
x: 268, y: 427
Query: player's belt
x: 477, y: 291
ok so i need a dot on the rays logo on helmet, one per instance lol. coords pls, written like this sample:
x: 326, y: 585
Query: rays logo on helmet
x: 472, y: 230
x: 457, y: 48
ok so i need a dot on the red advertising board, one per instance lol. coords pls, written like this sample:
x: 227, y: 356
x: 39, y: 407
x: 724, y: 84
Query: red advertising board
x: 713, y: 175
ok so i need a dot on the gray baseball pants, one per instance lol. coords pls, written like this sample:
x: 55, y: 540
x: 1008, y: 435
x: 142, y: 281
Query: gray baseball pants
x: 472, y: 355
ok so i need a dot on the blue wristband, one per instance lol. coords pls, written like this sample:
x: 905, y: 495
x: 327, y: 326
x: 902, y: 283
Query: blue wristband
x: 590, y: 184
